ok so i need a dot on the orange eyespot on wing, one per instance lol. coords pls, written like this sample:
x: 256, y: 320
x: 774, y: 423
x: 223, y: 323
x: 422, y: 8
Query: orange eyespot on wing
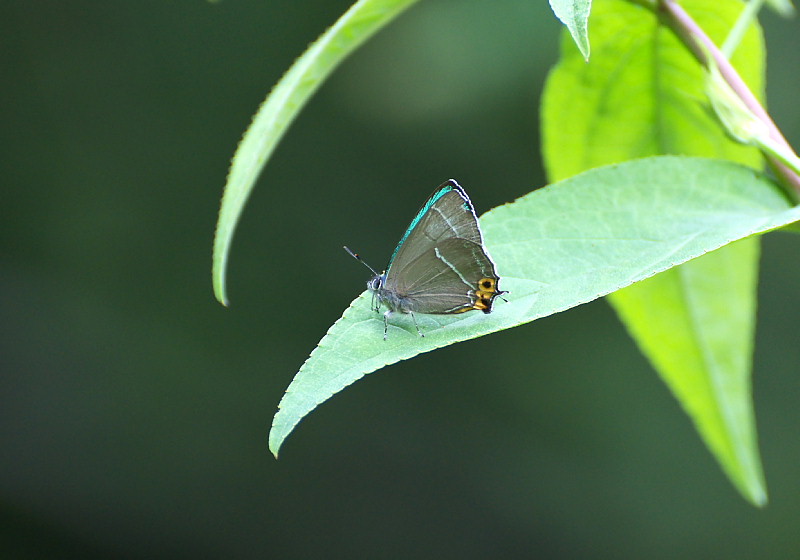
x: 487, y: 290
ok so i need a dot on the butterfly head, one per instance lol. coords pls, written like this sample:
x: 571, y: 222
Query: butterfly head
x: 375, y: 283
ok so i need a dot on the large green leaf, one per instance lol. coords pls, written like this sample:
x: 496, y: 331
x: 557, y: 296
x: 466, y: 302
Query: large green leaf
x: 643, y: 94
x: 556, y: 248
x: 280, y: 108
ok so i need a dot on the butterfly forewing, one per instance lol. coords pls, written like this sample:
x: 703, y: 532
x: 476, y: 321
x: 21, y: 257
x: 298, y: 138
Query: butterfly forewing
x: 447, y: 213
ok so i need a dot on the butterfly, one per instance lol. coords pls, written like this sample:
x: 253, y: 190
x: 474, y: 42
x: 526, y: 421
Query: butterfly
x: 440, y: 265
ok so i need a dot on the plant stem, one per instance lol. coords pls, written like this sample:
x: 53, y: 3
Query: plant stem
x: 747, y: 16
x: 700, y: 45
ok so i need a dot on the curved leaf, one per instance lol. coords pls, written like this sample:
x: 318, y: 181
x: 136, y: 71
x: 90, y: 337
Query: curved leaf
x: 282, y: 105
x: 556, y: 248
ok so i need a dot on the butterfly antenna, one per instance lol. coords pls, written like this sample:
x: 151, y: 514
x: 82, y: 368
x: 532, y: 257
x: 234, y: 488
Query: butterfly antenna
x: 359, y: 259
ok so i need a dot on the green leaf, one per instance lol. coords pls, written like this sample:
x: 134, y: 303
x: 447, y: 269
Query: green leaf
x: 643, y: 94
x: 575, y: 15
x: 556, y: 248
x: 698, y: 328
x: 280, y: 108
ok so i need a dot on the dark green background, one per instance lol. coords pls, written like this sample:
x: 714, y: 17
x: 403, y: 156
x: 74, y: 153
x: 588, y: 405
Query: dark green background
x: 135, y: 409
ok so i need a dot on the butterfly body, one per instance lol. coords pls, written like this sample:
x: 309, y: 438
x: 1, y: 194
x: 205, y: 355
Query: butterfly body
x: 440, y: 265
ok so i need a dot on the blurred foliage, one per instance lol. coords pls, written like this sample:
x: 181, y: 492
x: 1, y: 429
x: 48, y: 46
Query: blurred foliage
x: 135, y: 409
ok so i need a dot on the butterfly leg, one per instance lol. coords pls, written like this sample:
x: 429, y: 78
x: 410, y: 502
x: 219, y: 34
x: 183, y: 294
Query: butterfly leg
x: 419, y: 332
x: 386, y: 323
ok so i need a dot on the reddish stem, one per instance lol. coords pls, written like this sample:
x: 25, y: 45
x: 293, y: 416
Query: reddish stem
x: 696, y: 40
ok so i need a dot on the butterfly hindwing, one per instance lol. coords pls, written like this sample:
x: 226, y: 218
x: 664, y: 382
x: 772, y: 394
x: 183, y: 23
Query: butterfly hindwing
x: 445, y: 279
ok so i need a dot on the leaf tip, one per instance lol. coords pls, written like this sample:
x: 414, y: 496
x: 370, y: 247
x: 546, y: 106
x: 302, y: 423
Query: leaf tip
x: 219, y: 292
x: 274, y: 444
x: 757, y: 495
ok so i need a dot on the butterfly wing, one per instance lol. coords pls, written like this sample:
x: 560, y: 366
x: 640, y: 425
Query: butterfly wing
x: 440, y: 265
x: 447, y: 213
x: 453, y: 277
